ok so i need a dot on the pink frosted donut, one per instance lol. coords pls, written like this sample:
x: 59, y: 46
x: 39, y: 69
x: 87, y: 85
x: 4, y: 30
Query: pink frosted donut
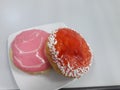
x: 28, y: 51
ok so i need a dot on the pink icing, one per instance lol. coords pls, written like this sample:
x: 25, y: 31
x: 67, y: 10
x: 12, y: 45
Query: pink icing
x: 28, y: 50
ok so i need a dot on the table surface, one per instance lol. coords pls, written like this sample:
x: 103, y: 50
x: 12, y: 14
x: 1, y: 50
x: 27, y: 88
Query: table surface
x: 93, y: 18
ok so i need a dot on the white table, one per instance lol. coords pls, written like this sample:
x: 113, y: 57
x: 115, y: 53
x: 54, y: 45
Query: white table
x: 97, y: 20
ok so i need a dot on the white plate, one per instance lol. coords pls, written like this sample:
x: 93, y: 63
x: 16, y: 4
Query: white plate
x: 47, y: 81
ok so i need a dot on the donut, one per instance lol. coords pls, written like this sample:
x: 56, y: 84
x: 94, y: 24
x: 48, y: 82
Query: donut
x: 68, y: 52
x: 28, y: 51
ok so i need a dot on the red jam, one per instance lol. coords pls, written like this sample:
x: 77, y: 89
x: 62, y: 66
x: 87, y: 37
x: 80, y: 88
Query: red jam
x: 72, y: 48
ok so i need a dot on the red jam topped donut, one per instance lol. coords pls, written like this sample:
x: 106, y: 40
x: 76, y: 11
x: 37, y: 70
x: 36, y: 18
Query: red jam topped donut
x: 70, y: 52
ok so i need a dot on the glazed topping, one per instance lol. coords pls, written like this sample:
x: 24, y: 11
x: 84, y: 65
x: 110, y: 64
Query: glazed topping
x: 28, y: 50
x: 72, y: 54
